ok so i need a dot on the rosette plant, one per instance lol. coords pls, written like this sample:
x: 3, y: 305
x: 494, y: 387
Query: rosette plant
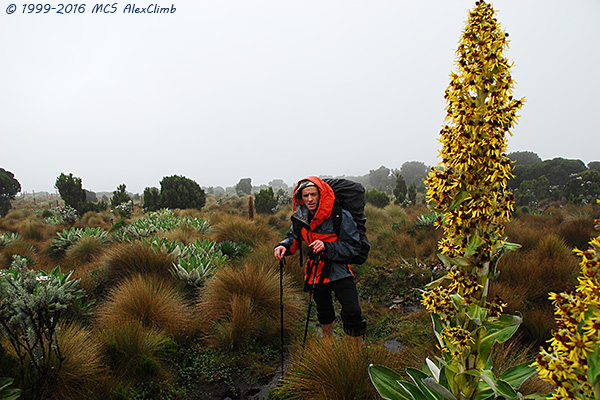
x: 468, y: 191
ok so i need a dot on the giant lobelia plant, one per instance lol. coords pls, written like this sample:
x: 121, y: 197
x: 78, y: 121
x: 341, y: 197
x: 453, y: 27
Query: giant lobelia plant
x: 571, y: 361
x: 468, y: 191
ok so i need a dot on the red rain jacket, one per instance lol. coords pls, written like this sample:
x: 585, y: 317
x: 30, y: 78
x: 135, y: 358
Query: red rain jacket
x: 339, y: 249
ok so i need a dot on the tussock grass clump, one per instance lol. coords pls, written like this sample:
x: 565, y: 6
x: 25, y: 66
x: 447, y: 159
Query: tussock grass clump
x: 377, y: 218
x: 189, y: 213
x: 136, y: 258
x: 132, y: 349
x: 33, y: 229
x: 551, y: 262
x: 184, y: 234
x: 94, y: 219
x: 85, y: 249
x: 154, y: 302
x: 20, y: 248
x: 241, y: 304
x: 577, y: 232
x: 239, y: 229
x: 336, y: 370
x: 83, y: 370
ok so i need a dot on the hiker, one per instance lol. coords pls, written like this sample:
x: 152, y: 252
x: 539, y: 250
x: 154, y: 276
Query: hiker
x: 327, y: 269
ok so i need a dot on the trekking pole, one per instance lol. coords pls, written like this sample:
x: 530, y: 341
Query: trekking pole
x: 281, y: 264
x: 311, y: 289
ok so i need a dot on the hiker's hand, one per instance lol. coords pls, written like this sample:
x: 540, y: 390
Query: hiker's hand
x: 279, y: 252
x: 317, y: 246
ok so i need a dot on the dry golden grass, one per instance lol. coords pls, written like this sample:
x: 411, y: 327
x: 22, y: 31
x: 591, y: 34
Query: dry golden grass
x: 238, y: 229
x: 150, y: 300
x: 242, y: 304
x: 85, y: 250
x: 132, y: 350
x: 550, y: 266
x: 18, y: 247
x: 336, y: 370
x: 83, y: 372
x: 33, y: 229
x: 136, y: 258
x: 577, y: 232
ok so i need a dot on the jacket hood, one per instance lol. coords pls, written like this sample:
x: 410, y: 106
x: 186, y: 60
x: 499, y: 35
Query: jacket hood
x: 326, y: 200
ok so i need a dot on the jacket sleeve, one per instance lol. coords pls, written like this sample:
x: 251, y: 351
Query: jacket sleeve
x: 291, y: 241
x: 348, y: 244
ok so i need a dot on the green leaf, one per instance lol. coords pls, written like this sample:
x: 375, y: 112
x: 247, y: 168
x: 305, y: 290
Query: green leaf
x: 435, y: 371
x: 475, y: 241
x: 497, y: 331
x: 388, y: 383
x: 458, y: 199
x: 515, y: 376
x: 484, y: 394
x: 437, y: 282
x: 593, y: 359
x: 7, y: 393
x: 476, y: 313
x: 450, y: 261
x: 418, y: 377
x: 438, y: 388
x: 505, y: 389
x: 511, y: 246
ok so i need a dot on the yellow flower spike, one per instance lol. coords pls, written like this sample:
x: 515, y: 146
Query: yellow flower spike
x: 480, y: 112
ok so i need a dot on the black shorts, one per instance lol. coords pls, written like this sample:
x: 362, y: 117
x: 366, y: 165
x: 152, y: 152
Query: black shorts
x: 346, y: 293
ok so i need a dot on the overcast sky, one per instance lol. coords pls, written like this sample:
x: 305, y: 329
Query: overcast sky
x: 274, y: 89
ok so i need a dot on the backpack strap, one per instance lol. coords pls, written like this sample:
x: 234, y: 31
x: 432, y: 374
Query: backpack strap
x: 336, y: 214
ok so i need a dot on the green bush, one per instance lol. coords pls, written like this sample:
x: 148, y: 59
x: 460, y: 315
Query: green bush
x: 265, y: 201
x: 181, y: 192
x: 377, y: 198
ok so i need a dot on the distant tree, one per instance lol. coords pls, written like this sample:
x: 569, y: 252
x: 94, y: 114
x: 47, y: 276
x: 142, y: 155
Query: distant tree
x: 594, y: 165
x: 558, y: 171
x: 377, y: 198
x: 278, y: 184
x: 265, y: 201
x: 400, y: 189
x: 151, y: 199
x: 90, y: 196
x: 9, y: 187
x: 244, y: 186
x: 533, y: 190
x: 380, y: 179
x: 583, y: 187
x: 524, y: 158
x: 414, y: 172
x: 412, y: 194
x: 181, y: 192
x: 70, y: 190
x: 120, y: 196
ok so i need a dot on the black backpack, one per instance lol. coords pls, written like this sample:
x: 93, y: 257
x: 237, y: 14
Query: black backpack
x: 350, y: 196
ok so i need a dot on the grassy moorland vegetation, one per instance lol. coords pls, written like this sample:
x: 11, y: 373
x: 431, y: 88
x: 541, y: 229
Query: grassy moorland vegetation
x: 132, y: 326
